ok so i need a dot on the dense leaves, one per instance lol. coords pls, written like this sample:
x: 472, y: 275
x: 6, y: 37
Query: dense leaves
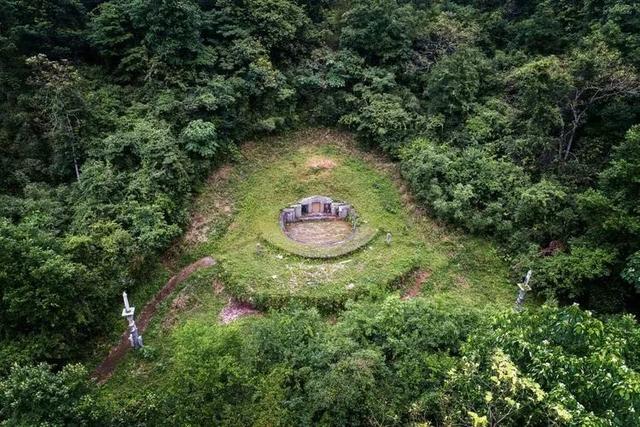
x: 393, y: 362
x: 100, y: 153
x: 514, y: 120
x: 550, y: 366
x: 36, y: 396
x: 293, y: 367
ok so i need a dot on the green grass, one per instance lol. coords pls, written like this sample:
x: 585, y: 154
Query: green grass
x: 276, y: 277
x: 240, y: 207
x: 361, y: 237
x: 275, y: 172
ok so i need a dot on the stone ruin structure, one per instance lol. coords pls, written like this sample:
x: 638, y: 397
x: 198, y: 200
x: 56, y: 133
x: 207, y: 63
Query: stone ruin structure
x: 314, y: 207
x: 318, y: 221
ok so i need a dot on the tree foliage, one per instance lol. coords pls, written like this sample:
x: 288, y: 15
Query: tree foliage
x: 513, y: 120
x: 550, y: 366
x: 36, y: 396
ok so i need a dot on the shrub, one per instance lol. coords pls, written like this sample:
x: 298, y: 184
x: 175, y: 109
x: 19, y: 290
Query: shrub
x: 467, y: 187
x: 549, y: 365
x: 35, y: 395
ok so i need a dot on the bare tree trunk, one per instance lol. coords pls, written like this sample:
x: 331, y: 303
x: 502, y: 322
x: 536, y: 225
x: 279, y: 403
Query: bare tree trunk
x: 567, y: 136
x: 75, y: 166
x: 575, y: 123
x: 73, y: 148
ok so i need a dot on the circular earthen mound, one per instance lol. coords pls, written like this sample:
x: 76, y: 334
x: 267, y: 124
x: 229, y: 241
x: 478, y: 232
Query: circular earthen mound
x: 321, y: 232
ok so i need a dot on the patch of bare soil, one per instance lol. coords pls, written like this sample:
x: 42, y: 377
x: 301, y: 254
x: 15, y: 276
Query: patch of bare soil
x: 218, y: 287
x: 109, y: 364
x: 198, y: 230
x: 320, y: 163
x: 234, y: 310
x: 419, y: 278
x: 319, y: 233
x: 221, y: 175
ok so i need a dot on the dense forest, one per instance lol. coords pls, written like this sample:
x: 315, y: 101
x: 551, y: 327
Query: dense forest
x: 515, y: 121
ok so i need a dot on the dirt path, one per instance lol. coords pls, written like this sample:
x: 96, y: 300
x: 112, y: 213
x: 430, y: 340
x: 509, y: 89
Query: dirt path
x: 108, y: 365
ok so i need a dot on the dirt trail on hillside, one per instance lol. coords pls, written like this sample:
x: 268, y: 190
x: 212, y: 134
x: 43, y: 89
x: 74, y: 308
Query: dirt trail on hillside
x: 108, y: 365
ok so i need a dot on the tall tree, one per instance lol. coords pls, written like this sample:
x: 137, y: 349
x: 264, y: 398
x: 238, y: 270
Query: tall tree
x: 62, y: 109
x: 599, y: 75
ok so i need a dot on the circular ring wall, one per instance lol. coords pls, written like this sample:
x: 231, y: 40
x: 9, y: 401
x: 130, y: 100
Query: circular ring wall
x: 318, y: 227
x: 318, y: 221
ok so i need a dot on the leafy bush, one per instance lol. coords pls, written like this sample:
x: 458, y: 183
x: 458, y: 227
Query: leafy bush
x: 36, y: 396
x: 467, y: 187
x: 454, y: 84
x: 567, y: 274
x: 292, y: 367
x: 49, y: 291
x: 382, y: 31
x: 549, y: 365
x: 382, y: 120
x: 631, y: 273
x: 200, y: 138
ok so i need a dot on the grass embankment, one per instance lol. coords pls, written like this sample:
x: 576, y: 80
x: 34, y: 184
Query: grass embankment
x: 239, y: 207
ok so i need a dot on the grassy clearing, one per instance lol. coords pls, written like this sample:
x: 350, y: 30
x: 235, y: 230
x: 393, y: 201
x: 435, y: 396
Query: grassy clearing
x: 276, y: 277
x: 240, y: 206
